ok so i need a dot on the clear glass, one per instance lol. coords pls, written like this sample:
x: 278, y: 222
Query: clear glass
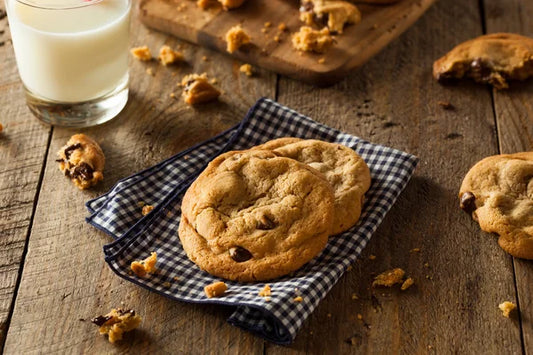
x: 72, y: 57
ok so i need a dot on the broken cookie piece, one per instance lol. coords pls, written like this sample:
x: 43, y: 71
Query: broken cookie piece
x: 236, y: 37
x: 231, y: 4
x: 309, y: 40
x: 215, y: 289
x: 507, y: 308
x: 143, y: 267
x: 169, y: 56
x: 490, y: 59
x: 246, y: 69
x: 334, y: 14
x: 142, y: 53
x: 82, y: 160
x: 389, y: 278
x: 197, y: 89
x: 117, y: 322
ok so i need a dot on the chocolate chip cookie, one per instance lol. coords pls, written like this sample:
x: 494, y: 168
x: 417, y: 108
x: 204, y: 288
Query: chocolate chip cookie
x: 346, y: 171
x: 254, y: 216
x: 498, y: 193
x: 491, y: 59
x: 82, y: 160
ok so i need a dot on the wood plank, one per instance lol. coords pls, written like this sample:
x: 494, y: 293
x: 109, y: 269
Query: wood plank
x: 379, y: 26
x: 393, y: 100
x: 514, y: 114
x: 23, y: 144
x: 65, y: 277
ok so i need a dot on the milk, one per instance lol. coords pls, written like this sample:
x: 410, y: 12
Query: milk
x: 71, y: 55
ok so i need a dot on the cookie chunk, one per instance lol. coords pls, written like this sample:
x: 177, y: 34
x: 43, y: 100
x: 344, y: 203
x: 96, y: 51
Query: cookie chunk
x: 169, y: 56
x: 389, y: 278
x: 309, y: 40
x: 334, y: 14
x: 236, y: 37
x: 344, y: 169
x: 117, y: 322
x: 231, y: 4
x: 216, y: 289
x: 82, y: 160
x: 498, y: 193
x: 253, y: 216
x: 143, y: 267
x: 277, y: 143
x: 491, y: 59
x: 142, y: 53
x: 507, y: 308
x: 198, y: 90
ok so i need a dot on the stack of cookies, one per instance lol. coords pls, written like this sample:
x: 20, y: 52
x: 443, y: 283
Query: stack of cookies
x: 262, y: 213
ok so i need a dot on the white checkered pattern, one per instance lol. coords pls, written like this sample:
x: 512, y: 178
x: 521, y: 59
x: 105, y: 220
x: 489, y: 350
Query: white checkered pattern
x: 118, y: 214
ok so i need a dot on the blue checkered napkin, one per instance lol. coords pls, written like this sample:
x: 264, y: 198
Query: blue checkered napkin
x: 118, y: 213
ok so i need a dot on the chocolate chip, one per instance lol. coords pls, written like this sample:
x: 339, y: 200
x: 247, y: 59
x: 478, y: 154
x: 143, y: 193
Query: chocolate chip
x: 70, y: 149
x: 59, y: 160
x: 239, y: 254
x: 265, y: 223
x: 468, y: 202
x: 307, y: 6
x: 84, y: 170
x: 100, y: 320
x: 480, y: 69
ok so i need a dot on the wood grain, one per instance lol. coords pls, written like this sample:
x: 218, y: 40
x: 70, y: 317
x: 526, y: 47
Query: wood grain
x: 65, y: 277
x: 514, y: 114
x: 23, y: 143
x: 453, y: 306
x: 379, y: 26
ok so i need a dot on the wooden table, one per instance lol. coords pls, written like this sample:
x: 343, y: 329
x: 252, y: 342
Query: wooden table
x: 52, y: 270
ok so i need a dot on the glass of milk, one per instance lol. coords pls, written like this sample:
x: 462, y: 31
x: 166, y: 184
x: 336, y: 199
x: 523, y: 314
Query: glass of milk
x: 72, y: 57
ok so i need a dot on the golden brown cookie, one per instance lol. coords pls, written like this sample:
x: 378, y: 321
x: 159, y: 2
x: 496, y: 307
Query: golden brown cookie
x: 344, y: 169
x: 336, y: 14
x: 491, y: 59
x: 498, y: 193
x: 82, y: 160
x: 254, y: 216
x: 310, y: 40
x: 277, y: 143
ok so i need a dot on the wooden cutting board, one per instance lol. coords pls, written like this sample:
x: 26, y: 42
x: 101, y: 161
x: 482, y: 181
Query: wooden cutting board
x: 358, y: 43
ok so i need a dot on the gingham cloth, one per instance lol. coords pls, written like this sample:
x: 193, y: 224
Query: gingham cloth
x: 118, y: 213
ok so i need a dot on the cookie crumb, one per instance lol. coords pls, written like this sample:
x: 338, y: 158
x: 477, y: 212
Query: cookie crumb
x: 389, y: 278
x: 329, y: 315
x: 407, y: 283
x: 143, y: 267
x: 426, y: 265
x: 506, y: 308
x: 299, y: 299
x: 321, y: 60
x: 309, y: 40
x: 372, y: 257
x: 415, y: 250
x: 147, y: 209
x: 231, y: 4
x: 116, y: 323
x: 150, y: 71
x: 282, y: 26
x: 246, y: 69
x: 197, y: 89
x: 354, y: 296
x: 1, y: 128
x: 205, y: 58
x: 349, y: 268
x: 236, y: 37
x: 359, y: 316
x: 445, y: 105
x: 266, y: 291
x: 268, y: 24
x: 172, y: 95
x: 203, y: 4
x: 166, y: 284
x: 141, y: 53
x: 215, y: 289
x: 169, y: 56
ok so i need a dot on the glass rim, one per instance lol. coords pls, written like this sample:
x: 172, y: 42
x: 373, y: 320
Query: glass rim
x: 62, y: 5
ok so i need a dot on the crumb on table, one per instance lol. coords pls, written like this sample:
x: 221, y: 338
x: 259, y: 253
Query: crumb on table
x: 389, y: 278
x: 1, y: 127
x: 298, y: 299
x: 246, y: 69
x: 236, y: 37
x: 203, y: 4
x: 231, y: 4
x: 506, y: 308
x: 407, y: 283
x: 197, y: 89
x: 141, y: 53
x: 143, y: 267
x: 117, y: 322
x: 169, y: 56
x: 215, y: 289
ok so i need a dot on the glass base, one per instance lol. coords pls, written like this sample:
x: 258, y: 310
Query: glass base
x: 79, y: 114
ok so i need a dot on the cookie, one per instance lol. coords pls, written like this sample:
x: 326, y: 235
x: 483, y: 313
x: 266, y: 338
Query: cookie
x: 254, y: 216
x: 82, y: 160
x: 198, y: 90
x: 491, y: 59
x: 277, y: 143
x: 346, y: 171
x: 498, y: 193
x: 334, y: 14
